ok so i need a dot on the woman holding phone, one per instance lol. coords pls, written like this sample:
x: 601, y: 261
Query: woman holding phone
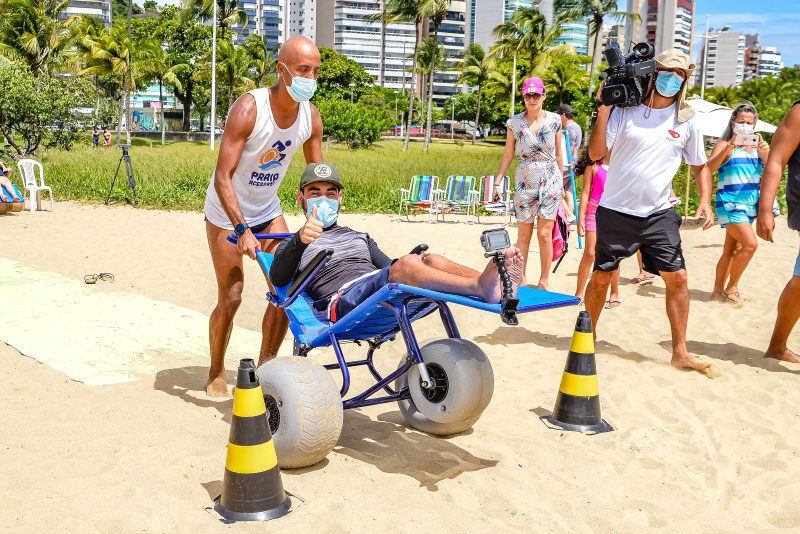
x: 739, y: 157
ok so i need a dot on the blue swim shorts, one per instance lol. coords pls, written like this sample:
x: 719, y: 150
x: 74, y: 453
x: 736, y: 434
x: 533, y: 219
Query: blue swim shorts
x: 356, y: 292
x: 797, y: 265
x: 729, y: 213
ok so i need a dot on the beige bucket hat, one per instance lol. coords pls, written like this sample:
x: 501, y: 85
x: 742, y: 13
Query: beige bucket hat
x: 673, y: 58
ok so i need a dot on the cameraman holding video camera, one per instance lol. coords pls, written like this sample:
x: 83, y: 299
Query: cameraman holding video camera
x: 650, y: 130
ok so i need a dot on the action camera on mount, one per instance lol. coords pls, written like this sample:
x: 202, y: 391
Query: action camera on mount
x: 496, y: 240
x: 627, y: 75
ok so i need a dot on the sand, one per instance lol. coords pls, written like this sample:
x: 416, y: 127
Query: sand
x: 689, y: 454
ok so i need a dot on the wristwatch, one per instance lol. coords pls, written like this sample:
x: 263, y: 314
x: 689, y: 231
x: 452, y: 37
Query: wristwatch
x: 240, y: 229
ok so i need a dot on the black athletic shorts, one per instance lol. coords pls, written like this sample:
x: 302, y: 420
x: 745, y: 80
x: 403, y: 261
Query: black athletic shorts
x: 348, y: 299
x: 657, y: 236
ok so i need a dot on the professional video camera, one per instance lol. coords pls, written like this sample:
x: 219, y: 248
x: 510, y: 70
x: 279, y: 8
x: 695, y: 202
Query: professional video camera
x: 627, y: 75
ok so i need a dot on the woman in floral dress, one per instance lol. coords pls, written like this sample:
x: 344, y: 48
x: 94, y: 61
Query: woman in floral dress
x: 534, y: 136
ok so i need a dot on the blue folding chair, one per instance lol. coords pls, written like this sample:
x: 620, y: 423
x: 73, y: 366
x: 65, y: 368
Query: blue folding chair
x: 441, y: 388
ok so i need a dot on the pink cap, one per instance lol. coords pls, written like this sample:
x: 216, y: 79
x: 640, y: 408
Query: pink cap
x: 533, y: 85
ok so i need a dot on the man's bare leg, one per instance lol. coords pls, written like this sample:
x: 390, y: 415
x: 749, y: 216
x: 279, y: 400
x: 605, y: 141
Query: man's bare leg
x: 411, y: 270
x: 678, y: 313
x: 596, y: 296
x: 443, y: 264
x: 275, y: 323
x: 230, y: 282
x: 788, y: 314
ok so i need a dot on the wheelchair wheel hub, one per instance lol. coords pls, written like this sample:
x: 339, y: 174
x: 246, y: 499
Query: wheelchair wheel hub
x: 437, y: 391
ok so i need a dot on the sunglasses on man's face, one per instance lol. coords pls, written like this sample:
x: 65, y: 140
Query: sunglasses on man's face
x: 533, y: 96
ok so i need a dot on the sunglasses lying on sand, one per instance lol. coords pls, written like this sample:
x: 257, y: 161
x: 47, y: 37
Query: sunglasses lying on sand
x: 93, y: 278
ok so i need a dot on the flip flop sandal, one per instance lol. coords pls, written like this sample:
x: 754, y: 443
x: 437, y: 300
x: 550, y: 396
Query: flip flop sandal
x: 647, y: 280
x: 93, y: 278
x: 611, y: 304
x: 733, y: 297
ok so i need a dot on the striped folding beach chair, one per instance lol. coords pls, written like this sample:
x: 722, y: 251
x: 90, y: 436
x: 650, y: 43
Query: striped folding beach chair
x: 456, y: 196
x: 422, y: 195
x: 483, y: 199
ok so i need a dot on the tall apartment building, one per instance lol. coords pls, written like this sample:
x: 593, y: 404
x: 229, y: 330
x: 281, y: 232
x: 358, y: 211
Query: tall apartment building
x: 723, y: 61
x: 453, y: 36
x: 303, y: 17
x: 760, y: 61
x: 265, y: 18
x: 99, y: 9
x: 665, y: 23
x: 343, y: 26
x: 486, y: 15
x: 769, y: 62
x: 576, y: 33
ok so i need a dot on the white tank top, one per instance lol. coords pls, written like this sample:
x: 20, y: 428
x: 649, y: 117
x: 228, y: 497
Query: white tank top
x: 264, y: 162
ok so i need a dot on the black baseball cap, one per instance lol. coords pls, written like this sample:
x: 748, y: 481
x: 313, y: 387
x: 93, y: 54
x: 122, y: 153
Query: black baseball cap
x: 321, y: 172
x: 565, y: 109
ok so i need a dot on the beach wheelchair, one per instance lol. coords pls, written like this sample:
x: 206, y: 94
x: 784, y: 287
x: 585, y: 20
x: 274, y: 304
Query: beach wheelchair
x: 441, y: 387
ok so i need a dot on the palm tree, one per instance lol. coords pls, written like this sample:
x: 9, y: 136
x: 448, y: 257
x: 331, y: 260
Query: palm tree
x: 263, y: 60
x: 233, y: 65
x: 475, y: 70
x: 527, y: 35
x: 228, y: 13
x: 724, y: 96
x: 110, y: 54
x: 596, y: 11
x: 408, y: 12
x: 165, y: 75
x: 31, y: 32
x: 436, y: 11
x: 564, y: 78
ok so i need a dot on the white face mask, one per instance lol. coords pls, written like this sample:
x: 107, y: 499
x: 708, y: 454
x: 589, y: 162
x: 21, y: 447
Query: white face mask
x: 743, y: 128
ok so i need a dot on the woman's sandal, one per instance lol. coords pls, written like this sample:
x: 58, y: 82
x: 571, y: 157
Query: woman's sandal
x: 734, y: 297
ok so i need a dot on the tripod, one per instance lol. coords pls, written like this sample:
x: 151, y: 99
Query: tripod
x: 509, y: 303
x: 126, y: 157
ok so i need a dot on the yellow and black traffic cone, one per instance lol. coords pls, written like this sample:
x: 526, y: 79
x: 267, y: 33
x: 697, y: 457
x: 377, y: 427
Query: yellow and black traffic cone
x: 251, y: 488
x: 578, y: 403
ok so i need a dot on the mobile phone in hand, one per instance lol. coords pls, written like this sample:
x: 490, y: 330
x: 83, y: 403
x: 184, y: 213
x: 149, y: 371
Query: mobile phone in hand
x: 746, y: 139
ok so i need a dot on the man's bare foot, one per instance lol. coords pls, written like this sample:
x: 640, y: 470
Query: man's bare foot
x: 782, y: 354
x: 718, y: 296
x: 491, y: 286
x: 693, y: 364
x: 218, y: 387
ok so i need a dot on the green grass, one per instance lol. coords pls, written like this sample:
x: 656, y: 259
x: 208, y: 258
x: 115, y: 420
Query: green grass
x: 176, y: 176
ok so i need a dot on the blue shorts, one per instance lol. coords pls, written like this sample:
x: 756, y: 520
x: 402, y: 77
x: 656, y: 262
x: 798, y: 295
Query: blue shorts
x: 797, y: 265
x: 729, y: 213
x: 359, y: 290
x: 12, y: 195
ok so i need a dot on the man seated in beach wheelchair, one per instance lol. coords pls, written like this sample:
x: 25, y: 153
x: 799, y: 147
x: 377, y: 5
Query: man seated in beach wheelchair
x: 342, y: 288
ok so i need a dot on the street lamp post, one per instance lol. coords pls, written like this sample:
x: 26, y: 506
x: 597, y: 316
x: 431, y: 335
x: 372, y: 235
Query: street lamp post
x: 395, y: 113
x: 705, y: 59
x: 513, y: 86
x: 453, y: 120
x: 214, y: 76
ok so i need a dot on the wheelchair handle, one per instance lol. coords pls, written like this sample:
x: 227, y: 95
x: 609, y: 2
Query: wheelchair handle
x: 234, y: 239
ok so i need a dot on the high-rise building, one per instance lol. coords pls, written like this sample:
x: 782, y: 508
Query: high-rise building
x: 769, y: 62
x: 664, y: 23
x: 99, y: 9
x: 723, y: 61
x: 751, y: 48
x: 452, y: 35
x: 302, y: 15
x: 345, y: 28
x: 485, y: 15
x: 265, y: 19
x: 576, y: 33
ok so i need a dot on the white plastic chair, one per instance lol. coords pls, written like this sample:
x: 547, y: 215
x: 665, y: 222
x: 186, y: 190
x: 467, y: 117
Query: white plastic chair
x: 27, y: 168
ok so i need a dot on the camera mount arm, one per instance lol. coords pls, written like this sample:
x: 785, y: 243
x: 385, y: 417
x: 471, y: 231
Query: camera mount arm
x: 508, y: 303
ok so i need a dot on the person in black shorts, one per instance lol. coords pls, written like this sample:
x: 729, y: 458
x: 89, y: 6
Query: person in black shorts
x: 635, y: 211
x: 358, y: 268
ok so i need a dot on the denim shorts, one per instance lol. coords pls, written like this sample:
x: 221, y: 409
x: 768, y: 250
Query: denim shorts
x: 797, y: 265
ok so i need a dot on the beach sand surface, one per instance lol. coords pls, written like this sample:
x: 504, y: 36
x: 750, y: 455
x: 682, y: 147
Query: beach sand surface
x: 689, y: 454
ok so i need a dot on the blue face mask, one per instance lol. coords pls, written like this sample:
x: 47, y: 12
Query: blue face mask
x: 302, y: 89
x: 668, y: 84
x: 327, y: 210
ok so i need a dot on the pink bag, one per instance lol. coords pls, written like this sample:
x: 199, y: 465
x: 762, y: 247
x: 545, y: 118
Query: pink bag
x: 560, y: 237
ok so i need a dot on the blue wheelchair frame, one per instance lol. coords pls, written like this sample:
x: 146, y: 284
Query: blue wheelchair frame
x: 379, y: 319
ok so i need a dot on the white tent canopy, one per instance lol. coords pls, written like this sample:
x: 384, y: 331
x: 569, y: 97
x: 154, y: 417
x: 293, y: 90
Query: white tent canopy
x: 713, y: 118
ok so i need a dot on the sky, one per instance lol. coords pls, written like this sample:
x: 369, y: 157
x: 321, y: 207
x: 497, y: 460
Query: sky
x: 776, y: 21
